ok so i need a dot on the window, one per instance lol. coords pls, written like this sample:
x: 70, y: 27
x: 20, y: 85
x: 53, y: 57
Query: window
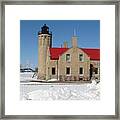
x: 67, y: 70
x: 81, y: 57
x: 96, y: 70
x: 81, y: 70
x: 67, y: 57
x: 53, y: 70
x: 45, y: 37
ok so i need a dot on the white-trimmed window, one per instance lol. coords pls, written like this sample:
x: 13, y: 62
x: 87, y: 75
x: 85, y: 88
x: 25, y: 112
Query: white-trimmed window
x: 67, y: 57
x: 81, y: 70
x: 81, y: 57
x: 53, y: 70
x: 67, y: 70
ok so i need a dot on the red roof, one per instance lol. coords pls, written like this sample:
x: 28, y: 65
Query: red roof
x: 94, y: 54
x: 56, y: 52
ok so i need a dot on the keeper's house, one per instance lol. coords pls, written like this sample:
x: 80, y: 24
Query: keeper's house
x: 66, y: 64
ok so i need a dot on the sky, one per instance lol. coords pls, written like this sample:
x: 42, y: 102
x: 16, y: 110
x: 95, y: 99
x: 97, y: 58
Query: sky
x: 87, y: 32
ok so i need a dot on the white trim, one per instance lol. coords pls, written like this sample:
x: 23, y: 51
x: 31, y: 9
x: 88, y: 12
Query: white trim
x: 66, y: 59
x: 70, y: 71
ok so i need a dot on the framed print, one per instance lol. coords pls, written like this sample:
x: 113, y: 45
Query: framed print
x: 60, y: 59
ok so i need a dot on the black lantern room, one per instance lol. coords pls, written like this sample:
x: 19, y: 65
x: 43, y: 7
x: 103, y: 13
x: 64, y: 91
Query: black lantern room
x: 44, y: 30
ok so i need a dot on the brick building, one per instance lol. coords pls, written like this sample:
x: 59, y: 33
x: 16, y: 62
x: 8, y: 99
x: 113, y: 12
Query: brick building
x: 66, y: 64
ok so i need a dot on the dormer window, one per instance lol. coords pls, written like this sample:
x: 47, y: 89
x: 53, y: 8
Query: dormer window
x: 67, y: 57
x: 81, y: 57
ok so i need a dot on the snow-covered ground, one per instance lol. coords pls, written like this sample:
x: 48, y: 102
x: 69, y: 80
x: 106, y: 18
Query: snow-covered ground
x: 57, y: 91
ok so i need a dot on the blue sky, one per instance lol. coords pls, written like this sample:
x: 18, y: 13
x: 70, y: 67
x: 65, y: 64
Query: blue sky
x: 87, y: 31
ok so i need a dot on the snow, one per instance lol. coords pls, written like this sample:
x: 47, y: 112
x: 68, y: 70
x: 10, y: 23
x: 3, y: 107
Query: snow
x: 27, y: 76
x: 57, y: 91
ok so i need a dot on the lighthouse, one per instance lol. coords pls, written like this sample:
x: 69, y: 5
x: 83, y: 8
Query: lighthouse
x: 44, y: 43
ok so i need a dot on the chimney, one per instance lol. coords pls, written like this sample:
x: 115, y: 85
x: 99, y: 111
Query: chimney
x: 74, y: 41
x: 65, y: 45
